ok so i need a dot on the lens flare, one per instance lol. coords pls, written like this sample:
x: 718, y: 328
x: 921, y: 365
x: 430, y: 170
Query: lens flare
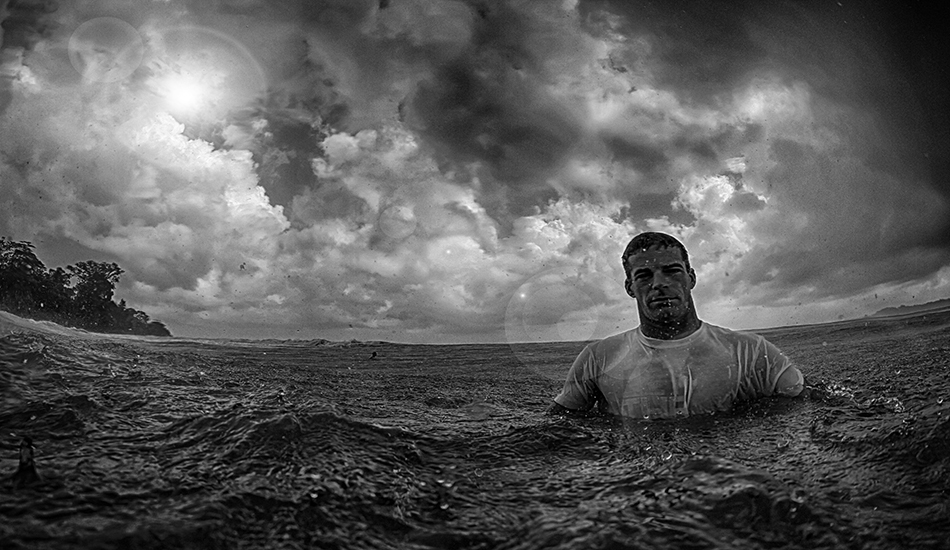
x: 561, y: 304
x: 105, y: 49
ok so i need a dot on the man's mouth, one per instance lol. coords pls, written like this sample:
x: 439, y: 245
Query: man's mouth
x: 663, y: 301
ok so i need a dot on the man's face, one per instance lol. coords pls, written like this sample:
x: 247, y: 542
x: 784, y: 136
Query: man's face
x: 661, y: 284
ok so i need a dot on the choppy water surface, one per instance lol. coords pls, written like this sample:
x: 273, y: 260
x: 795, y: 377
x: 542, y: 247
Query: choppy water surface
x: 173, y: 443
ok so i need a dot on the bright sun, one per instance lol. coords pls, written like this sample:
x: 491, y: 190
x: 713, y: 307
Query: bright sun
x: 185, y: 94
x: 200, y: 74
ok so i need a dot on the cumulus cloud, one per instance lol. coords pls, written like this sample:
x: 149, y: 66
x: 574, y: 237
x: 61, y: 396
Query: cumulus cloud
x: 453, y: 171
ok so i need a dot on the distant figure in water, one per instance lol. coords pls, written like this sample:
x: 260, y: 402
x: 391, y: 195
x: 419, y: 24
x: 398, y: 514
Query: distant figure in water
x: 373, y: 356
x: 26, y: 472
x: 673, y: 365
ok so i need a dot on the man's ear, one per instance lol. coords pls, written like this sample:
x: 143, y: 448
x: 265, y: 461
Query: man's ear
x: 628, y: 286
x: 692, y: 278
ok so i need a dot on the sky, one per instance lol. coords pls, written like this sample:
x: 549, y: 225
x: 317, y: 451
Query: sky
x: 470, y: 171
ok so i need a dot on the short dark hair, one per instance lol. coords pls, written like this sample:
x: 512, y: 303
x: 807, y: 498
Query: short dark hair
x: 651, y: 239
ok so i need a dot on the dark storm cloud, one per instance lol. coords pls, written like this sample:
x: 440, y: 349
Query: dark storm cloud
x: 22, y: 24
x: 918, y: 37
x: 863, y: 229
x: 26, y: 22
x: 643, y: 156
x: 887, y: 58
x: 700, y: 49
x: 491, y: 104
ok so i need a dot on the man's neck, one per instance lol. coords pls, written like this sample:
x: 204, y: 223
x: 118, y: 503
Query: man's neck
x: 673, y: 330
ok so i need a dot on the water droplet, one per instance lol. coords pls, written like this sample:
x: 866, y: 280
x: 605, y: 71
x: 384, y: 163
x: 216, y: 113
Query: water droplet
x: 444, y: 506
x: 940, y: 401
x: 667, y: 455
x: 397, y: 221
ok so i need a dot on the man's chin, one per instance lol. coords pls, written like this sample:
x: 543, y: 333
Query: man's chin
x: 666, y: 314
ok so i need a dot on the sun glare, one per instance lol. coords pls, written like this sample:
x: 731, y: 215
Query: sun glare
x: 185, y: 94
x: 202, y: 74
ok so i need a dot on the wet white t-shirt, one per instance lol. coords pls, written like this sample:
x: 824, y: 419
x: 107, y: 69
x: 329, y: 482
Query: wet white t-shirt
x: 707, y: 371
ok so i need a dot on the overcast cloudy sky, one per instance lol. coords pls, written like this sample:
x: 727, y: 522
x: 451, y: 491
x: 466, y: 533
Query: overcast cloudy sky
x: 429, y: 171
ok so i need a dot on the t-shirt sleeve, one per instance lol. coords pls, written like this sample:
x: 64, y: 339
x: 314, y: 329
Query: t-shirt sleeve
x: 771, y: 373
x: 580, y: 388
x: 791, y: 382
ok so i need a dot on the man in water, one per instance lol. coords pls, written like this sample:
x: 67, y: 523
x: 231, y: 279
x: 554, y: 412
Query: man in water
x: 673, y: 364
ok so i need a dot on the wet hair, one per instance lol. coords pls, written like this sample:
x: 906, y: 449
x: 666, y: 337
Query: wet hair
x: 652, y: 239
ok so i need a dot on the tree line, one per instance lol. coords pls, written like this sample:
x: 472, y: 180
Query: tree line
x: 78, y: 296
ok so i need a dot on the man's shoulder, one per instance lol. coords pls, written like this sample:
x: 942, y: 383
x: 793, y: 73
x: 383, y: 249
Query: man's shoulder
x: 735, y: 336
x: 731, y: 335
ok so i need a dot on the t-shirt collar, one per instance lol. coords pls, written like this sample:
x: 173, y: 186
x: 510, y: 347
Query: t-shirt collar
x: 676, y: 343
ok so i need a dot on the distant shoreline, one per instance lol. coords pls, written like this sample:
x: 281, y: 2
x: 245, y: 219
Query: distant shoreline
x: 881, y: 315
x: 919, y: 308
x: 78, y: 296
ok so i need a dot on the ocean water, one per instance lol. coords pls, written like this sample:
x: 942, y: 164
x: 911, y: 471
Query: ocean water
x: 175, y: 443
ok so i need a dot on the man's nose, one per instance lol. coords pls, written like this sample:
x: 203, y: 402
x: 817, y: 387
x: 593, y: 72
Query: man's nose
x: 660, y: 279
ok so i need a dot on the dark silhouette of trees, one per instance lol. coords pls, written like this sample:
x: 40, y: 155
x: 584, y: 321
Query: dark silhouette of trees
x: 79, y: 296
x: 95, y: 282
x: 20, y: 272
